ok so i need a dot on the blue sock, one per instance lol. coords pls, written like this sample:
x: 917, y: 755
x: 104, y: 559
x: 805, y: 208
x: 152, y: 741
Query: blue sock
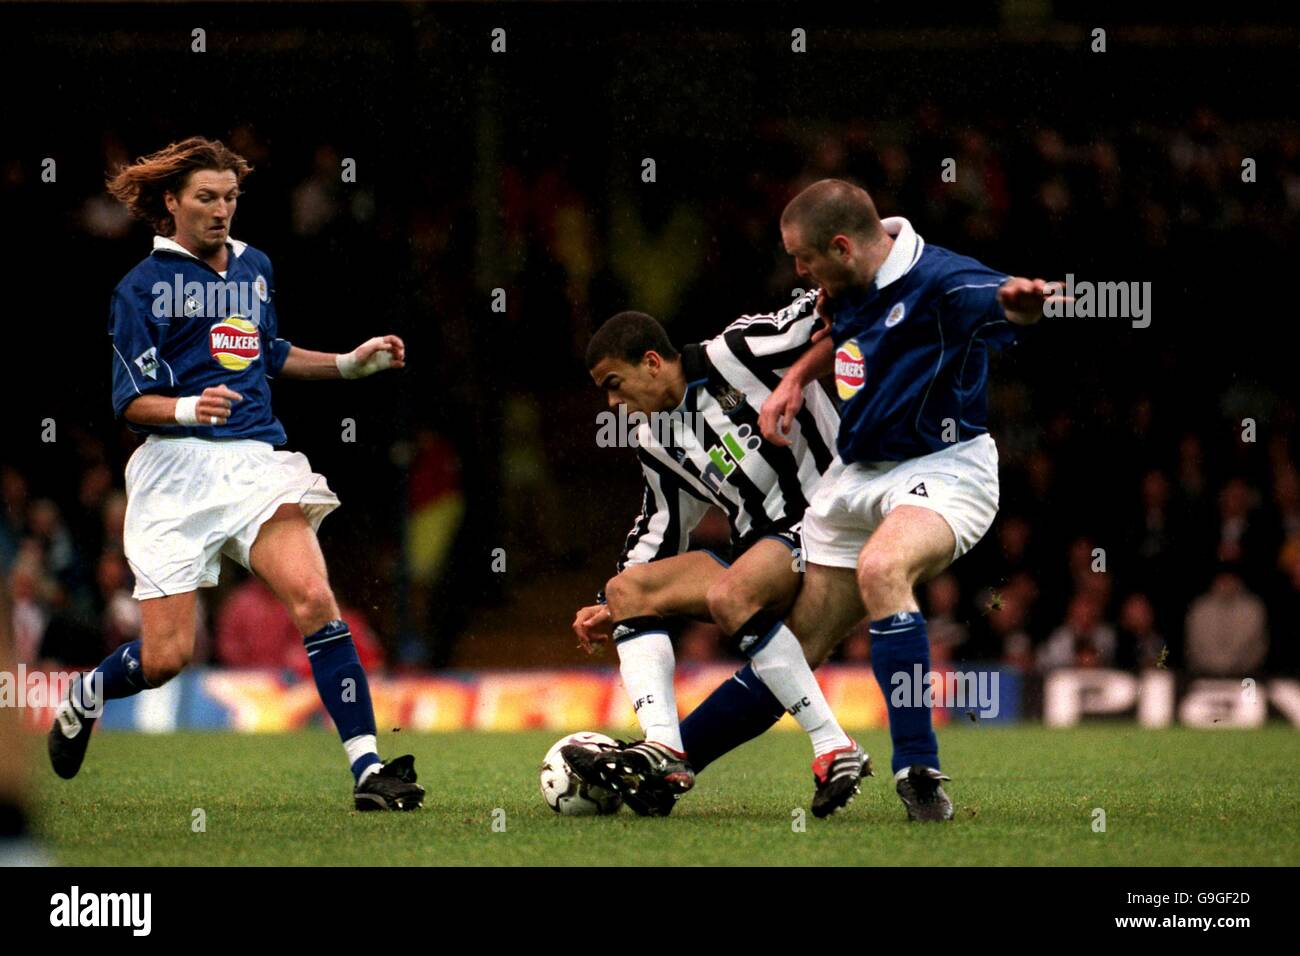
x: 898, y: 644
x: 343, y: 690
x: 118, y: 675
x: 740, y: 709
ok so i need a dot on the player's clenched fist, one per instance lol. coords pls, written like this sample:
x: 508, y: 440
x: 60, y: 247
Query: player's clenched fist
x: 212, y: 407
x: 371, y: 356
x: 593, y: 626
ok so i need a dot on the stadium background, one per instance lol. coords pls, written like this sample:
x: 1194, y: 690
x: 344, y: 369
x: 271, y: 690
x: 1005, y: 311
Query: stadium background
x: 521, y: 171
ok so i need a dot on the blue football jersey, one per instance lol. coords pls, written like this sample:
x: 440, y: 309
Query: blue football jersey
x: 178, y: 326
x: 912, y: 351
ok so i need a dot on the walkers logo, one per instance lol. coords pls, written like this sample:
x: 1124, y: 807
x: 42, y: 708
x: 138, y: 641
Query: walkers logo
x: 234, y: 343
x: 850, y: 370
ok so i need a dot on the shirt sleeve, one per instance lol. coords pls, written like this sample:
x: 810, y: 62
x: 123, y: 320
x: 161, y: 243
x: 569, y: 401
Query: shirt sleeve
x: 670, y: 511
x: 971, y: 308
x: 776, y: 339
x: 137, y: 337
x: 274, y: 348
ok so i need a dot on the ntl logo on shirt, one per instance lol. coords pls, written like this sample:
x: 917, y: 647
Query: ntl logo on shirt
x: 234, y: 343
x: 850, y: 370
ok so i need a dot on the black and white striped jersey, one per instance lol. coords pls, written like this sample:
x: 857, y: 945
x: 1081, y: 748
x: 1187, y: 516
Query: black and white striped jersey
x: 710, y: 450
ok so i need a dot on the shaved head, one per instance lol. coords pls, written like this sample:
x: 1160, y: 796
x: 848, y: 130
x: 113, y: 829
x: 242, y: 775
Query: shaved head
x: 829, y: 208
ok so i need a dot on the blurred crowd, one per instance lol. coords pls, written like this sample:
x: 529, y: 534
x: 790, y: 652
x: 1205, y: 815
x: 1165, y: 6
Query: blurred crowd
x: 1140, y: 523
x: 1194, y: 569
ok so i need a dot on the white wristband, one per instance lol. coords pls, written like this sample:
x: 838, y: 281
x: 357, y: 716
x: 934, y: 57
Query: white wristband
x: 187, y: 410
x: 351, y: 367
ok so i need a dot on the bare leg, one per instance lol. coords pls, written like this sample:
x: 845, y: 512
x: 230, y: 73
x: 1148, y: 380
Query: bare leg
x: 287, y: 556
x: 166, y: 636
x: 764, y: 577
x: 673, y: 586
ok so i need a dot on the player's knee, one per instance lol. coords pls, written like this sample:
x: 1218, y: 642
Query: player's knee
x: 731, y: 604
x: 163, y: 662
x: 626, y: 596
x: 313, y: 605
x: 882, y: 579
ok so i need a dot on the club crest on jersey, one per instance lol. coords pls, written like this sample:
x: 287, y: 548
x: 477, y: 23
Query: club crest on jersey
x: 234, y: 343
x: 261, y: 288
x: 850, y: 370
x: 895, y: 315
x: 729, y: 399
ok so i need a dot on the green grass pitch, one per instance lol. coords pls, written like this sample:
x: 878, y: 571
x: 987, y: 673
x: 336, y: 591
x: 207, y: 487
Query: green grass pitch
x: 1024, y: 795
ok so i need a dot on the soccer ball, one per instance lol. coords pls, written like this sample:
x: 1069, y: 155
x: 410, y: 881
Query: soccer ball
x: 567, y: 794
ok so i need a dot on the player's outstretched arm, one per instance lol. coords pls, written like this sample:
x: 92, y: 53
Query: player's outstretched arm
x: 1022, y: 299
x: 373, y: 355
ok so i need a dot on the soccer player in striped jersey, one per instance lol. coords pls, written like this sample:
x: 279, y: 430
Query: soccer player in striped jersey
x: 701, y: 446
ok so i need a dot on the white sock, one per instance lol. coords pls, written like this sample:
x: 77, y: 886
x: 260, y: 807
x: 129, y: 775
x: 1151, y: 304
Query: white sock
x: 357, y: 747
x: 647, y: 664
x: 782, y: 667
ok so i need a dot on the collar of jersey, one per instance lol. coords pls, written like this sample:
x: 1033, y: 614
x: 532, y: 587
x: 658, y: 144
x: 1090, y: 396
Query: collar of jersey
x: 695, y: 369
x: 906, y: 251
x: 163, y: 244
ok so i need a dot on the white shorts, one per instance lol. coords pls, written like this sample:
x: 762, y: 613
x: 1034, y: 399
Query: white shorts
x: 191, y: 500
x: 959, y: 482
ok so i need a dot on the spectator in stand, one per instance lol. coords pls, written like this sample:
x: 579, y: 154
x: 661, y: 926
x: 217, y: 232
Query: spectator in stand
x: 1083, y: 640
x: 1285, y: 657
x: 1140, y: 644
x: 45, y: 525
x: 1286, y: 499
x: 28, y: 593
x: 1227, y: 629
x: 1240, y: 538
x: 120, y: 617
x: 1090, y: 572
x: 13, y: 513
x: 435, y: 510
x: 86, y: 517
x: 947, y: 634
x: 114, y: 521
x: 1156, y: 561
x: 254, y: 630
x: 1007, y: 617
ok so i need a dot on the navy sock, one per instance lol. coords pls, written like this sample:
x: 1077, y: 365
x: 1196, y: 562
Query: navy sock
x: 739, y: 709
x: 343, y: 689
x: 118, y: 675
x: 898, y: 644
